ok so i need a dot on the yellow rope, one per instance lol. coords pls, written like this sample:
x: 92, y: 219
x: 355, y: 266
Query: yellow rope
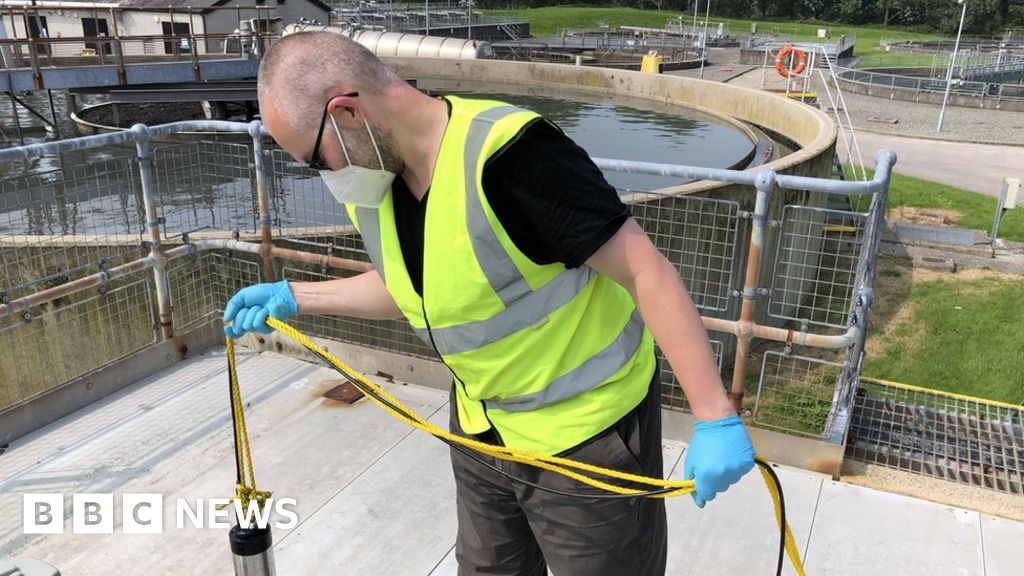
x: 571, y: 468
x: 245, y: 492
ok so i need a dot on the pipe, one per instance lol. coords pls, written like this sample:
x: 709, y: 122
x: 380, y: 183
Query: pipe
x: 403, y: 45
x: 322, y: 260
x: 263, y: 204
x: 831, y: 342
x: 24, y: 303
x: 745, y: 327
x: 148, y: 179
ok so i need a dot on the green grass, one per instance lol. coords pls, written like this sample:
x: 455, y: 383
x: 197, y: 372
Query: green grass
x: 960, y: 335
x: 877, y: 58
x: 977, y: 210
x: 550, y: 20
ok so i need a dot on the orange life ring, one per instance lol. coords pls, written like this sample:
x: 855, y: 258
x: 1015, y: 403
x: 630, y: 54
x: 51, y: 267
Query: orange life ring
x: 801, y: 61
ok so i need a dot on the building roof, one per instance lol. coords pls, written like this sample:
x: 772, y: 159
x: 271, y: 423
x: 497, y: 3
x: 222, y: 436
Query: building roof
x: 165, y: 4
x: 200, y: 5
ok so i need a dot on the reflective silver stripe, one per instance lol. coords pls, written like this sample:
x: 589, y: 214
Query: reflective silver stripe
x: 584, y: 377
x: 423, y: 334
x: 369, y: 229
x: 519, y: 315
x: 497, y: 265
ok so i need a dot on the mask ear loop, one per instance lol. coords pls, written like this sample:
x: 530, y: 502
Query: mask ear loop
x: 337, y: 132
x: 374, y: 142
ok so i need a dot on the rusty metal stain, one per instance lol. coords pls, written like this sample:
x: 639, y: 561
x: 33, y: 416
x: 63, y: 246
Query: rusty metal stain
x: 345, y: 393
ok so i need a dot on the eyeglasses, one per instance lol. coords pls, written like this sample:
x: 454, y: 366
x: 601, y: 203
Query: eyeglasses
x: 315, y: 161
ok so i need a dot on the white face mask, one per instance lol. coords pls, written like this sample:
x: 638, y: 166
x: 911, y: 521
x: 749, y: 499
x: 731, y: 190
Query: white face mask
x: 357, y: 185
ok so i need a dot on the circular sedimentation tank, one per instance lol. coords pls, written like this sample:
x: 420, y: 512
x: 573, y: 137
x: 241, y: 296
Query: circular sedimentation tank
x: 804, y: 137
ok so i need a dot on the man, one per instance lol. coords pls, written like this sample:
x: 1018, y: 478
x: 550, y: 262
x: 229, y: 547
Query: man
x: 498, y: 239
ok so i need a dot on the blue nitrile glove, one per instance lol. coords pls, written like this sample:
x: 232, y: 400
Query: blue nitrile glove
x: 719, y: 454
x: 247, y: 310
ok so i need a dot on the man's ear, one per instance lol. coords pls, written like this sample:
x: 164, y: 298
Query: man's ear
x: 346, y: 109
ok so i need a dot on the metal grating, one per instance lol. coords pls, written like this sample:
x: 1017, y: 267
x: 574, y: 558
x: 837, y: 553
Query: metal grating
x: 795, y: 393
x: 671, y: 391
x: 699, y: 236
x: 46, y: 351
x: 201, y: 286
x: 392, y: 335
x: 957, y: 438
x: 206, y: 186
x: 61, y: 223
x: 301, y: 207
x: 816, y: 265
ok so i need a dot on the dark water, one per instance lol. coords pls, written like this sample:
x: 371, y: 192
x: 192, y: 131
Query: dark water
x: 614, y: 130
x: 208, y: 185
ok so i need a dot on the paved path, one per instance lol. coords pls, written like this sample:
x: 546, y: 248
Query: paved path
x: 374, y: 497
x: 976, y: 167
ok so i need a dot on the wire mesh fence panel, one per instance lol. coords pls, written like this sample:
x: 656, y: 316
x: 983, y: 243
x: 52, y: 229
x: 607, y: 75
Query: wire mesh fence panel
x: 794, y: 393
x: 61, y: 223
x: 699, y: 236
x: 965, y: 440
x: 206, y: 186
x: 816, y: 265
x: 302, y: 208
x: 63, y: 340
x: 201, y: 286
x: 671, y: 391
x: 391, y: 335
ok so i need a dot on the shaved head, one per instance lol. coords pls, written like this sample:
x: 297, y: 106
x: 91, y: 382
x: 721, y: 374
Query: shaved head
x: 302, y: 71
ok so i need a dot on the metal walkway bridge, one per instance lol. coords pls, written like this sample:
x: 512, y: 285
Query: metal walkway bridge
x: 76, y: 63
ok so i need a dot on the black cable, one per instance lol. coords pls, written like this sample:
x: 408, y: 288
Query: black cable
x: 476, y: 456
x: 234, y: 425
x: 782, y: 513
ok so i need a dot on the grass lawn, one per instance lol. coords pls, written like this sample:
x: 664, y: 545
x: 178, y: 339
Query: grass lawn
x: 975, y: 211
x: 549, y: 21
x: 954, y: 332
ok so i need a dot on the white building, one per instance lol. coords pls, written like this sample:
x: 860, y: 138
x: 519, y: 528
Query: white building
x: 157, y: 27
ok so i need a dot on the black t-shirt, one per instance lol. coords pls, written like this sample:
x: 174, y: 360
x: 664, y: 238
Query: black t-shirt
x: 552, y: 200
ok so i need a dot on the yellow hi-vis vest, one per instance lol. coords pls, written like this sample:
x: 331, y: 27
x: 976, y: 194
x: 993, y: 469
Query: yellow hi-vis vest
x: 547, y: 356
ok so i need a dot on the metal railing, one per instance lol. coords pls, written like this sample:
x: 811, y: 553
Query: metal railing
x: 121, y: 250
x: 112, y: 245
x: 417, y: 19
x: 917, y: 86
x: 833, y: 47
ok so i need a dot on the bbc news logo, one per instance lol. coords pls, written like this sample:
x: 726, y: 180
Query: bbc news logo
x: 144, y: 513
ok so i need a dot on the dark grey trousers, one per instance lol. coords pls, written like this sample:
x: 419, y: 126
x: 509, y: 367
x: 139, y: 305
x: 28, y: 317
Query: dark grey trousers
x: 507, y: 528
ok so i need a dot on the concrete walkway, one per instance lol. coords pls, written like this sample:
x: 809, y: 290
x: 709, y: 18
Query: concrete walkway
x: 376, y: 498
x: 975, y: 167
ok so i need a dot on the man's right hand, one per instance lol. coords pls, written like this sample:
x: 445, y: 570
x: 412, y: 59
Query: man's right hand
x: 247, y: 311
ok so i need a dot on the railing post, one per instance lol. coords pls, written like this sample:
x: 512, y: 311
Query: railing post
x: 37, y: 75
x: 196, y: 73
x: 147, y: 175
x: 262, y: 202
x: 745, y: 327
x: 122, y: 75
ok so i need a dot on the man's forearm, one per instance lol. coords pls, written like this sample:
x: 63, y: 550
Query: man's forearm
x: 362, y: 296
x: 677, y: 328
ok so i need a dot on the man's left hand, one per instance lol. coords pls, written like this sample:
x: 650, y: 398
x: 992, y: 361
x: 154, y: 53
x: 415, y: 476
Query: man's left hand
x: 719, y: 454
